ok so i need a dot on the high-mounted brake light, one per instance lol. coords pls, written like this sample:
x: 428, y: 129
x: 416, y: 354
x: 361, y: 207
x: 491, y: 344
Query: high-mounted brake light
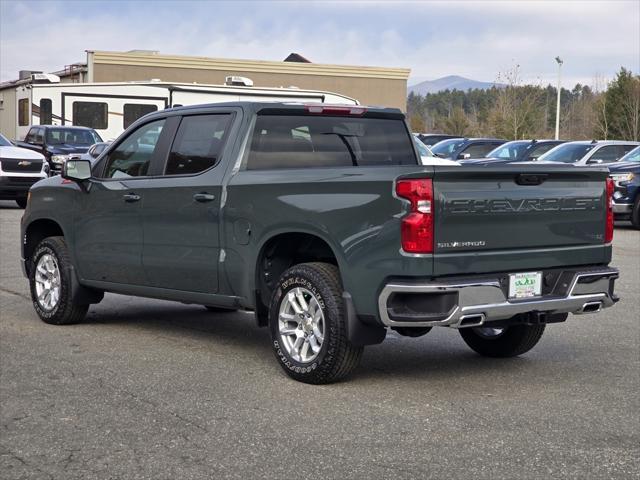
x: 608, y: 229
x: 336, y: 109
x: 417, y: 226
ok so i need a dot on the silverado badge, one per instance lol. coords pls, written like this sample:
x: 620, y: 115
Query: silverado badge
x: 24, y: 163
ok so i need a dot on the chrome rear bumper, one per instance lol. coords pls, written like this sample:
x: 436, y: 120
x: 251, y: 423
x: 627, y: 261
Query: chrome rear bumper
x: 484, y: 300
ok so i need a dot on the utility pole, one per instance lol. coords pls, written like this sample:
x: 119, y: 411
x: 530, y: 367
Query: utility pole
x: 559, y: 60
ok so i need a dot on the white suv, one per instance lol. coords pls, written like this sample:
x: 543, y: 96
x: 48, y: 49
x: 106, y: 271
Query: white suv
x: 19, y: 169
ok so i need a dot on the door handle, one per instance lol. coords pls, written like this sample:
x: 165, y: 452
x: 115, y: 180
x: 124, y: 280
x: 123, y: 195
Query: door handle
x: 204, y: 197
x: 131, y: 197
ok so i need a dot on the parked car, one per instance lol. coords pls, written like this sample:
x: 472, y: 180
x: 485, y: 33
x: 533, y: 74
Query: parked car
x: 516, y: 151
x: 320, y: 219
x: 56, y: 143
x: 582, y: 153
x: 427, y: 157
x: 430, y: 139
x: 626, y: 197
x: 93, y: 153
x: 19, y: 169
x: 463, y: 148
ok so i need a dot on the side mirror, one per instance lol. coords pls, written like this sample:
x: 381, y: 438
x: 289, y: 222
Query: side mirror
x: 592, y: 161
x: 76, y: 170
x: 464, y: 156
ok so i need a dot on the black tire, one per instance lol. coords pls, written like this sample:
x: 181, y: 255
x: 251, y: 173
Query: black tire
x: 635, y: 214
x: 337, y: 357
x: 22, y: 202
x: 65, y: 312
x: 220, y: 309
x: 513, y: 341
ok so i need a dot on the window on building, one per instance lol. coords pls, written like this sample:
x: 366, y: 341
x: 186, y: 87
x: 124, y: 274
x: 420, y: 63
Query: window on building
x: 46, y: 112
x: 23, y: 112
x: 134, y: 111
x: 90, y: 114
x: 198, y: 144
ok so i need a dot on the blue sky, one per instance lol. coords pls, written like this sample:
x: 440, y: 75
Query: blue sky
x: 476, y: 39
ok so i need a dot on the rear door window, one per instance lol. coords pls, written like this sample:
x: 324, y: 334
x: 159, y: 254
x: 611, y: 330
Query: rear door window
x: 198, y: 144
x: 303, y: 141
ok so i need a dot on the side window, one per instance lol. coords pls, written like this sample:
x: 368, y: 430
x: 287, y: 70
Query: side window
x: 134, y: 111
x: 627, y: 148
x: 608, y: 153
x: 23, y: 112
x: 540, y: 149
x: 46, y: 113
x: 39, y: 136
x: 90, y: 114
x: 478, y: 150
x: 133, y: 156
x: 198, y: 144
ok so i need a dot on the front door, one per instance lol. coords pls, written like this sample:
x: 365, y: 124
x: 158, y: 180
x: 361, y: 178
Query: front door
x: 181, y: 207
x: 108, y: 223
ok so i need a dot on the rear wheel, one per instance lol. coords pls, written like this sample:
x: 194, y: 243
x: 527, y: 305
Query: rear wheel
x: 50, y: 275
x: 502, y: 342
x: 22, y: 202
x: 635, y: 214
x: 308, y: 325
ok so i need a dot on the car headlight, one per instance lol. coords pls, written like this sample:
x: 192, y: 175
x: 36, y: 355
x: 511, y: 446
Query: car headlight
x: 60, y: 159
x: 622, y: 177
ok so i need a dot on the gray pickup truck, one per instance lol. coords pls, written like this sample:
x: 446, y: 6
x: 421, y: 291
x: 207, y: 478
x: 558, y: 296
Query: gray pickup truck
x: 321, y: 220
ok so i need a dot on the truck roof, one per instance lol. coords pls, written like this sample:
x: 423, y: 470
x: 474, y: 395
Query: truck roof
x: 294, y: 106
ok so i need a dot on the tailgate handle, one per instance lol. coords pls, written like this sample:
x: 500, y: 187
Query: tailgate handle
x: 531, y: 178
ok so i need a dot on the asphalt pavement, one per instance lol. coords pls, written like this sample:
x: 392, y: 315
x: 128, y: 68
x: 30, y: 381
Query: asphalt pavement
x: 148, y: 389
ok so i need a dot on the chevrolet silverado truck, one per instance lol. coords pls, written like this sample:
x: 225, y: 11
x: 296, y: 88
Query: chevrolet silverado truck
x: 321, y: 220
x: 59, y: 143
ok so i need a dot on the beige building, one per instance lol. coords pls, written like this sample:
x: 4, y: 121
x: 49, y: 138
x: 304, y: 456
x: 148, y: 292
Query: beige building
x: 370, y: 85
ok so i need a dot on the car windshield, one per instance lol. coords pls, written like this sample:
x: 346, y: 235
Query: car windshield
x: 567, y: 152
x: 422, y: 148
x: 71, y: 136
x: 4, y: 142
x: 511, y: 150
x: 632, y: 156
x: 445, y: 148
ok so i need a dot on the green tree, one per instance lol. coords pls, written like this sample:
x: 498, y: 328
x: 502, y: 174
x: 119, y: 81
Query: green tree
x: 621, y: 111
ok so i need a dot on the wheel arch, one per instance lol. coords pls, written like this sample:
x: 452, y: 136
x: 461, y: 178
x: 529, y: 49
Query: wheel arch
x: 279, y: 251
x: 35, y: 232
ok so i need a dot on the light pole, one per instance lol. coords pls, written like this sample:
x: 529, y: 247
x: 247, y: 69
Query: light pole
x: 559, y: 60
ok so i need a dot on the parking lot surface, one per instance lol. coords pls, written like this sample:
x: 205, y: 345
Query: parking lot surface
x: 160, y: 390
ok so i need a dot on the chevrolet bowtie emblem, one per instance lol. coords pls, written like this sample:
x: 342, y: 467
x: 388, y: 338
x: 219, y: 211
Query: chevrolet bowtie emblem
x: 24, y: 163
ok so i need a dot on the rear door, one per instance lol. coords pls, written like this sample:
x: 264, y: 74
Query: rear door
x: 180, y: 213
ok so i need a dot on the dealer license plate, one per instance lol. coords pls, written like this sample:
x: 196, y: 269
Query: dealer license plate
x: 525, y: 285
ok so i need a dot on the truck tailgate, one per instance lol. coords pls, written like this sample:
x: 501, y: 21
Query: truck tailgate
x: 518, y: 208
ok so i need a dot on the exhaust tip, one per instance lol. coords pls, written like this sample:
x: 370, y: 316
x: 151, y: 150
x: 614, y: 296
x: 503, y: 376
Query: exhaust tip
x: 591, y: 307
x: 472, y: 320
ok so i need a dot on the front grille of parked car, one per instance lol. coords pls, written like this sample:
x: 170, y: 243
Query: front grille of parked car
x: 22, y: 181
x: 20, y: 166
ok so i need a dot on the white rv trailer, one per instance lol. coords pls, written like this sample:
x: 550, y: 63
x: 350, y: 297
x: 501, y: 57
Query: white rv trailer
x: 110, y: 108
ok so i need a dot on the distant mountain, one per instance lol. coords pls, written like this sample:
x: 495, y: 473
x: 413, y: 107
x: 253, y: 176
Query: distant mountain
x: 451, y: 82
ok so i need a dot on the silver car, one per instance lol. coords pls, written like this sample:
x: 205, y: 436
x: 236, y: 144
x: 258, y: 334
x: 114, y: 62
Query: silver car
x: 589, y: 152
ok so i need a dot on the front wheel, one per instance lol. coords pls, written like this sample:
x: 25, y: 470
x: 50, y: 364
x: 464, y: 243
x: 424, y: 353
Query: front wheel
x: 308, y: 325
x: 502, y: 342
x: 50, y: 281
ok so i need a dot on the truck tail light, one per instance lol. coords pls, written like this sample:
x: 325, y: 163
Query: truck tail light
x: 608, y: 229
x: 417, y: 226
